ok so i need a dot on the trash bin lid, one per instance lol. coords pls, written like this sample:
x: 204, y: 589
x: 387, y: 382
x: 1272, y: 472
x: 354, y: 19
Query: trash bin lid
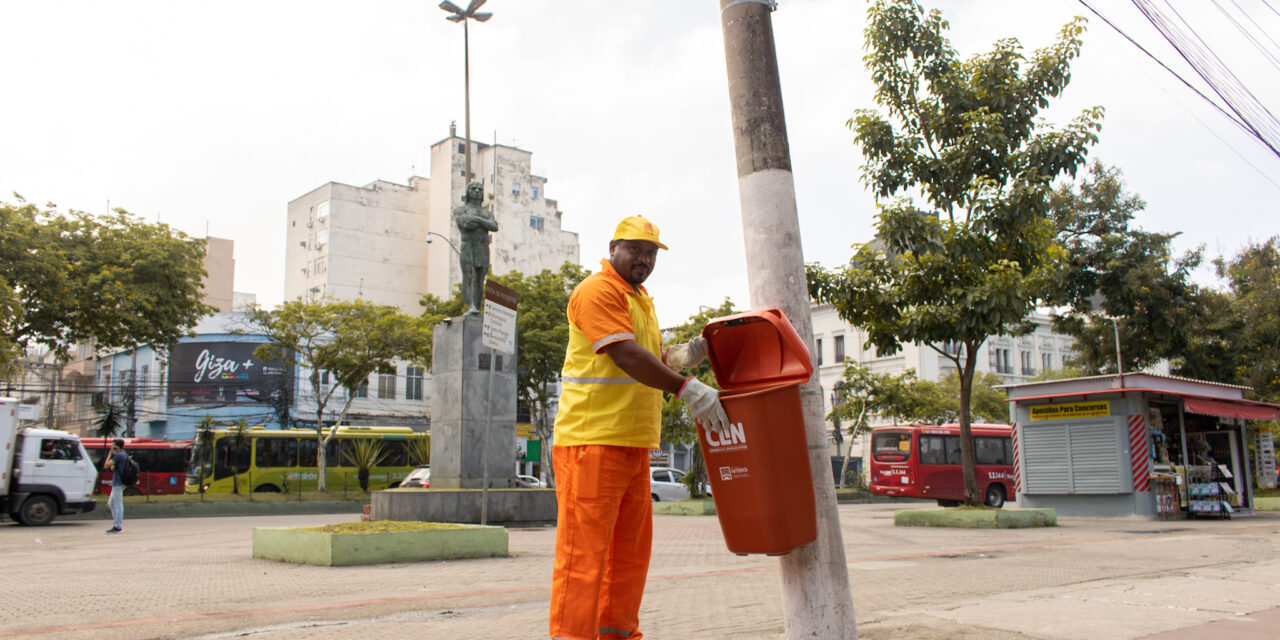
x: 756, y: 348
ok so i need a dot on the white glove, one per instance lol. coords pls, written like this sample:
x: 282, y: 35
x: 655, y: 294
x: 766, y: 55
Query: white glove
x: 704, y: 404
x: 687, y: 355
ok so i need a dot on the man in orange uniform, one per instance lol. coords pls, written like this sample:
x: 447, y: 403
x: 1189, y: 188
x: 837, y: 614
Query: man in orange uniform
x: 610, y: 416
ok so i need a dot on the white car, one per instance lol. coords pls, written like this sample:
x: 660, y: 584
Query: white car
x: 664, y: 484
x: 419, y: 478
x: 530, y: 482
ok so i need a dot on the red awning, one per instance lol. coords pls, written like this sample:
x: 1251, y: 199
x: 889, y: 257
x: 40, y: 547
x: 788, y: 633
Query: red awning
x: 1225, y: 409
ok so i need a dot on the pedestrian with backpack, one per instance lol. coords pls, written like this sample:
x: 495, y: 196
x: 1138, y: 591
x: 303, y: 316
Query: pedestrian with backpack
x: 117, y: 461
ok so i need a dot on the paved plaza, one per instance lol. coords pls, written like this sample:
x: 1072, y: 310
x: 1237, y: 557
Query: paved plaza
x: 1088, y: 578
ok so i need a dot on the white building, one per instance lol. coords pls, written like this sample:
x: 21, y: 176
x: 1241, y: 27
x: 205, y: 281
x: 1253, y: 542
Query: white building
x: 369, y: 242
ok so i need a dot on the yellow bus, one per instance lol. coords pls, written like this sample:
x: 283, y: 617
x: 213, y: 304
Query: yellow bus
x: 284, y: 460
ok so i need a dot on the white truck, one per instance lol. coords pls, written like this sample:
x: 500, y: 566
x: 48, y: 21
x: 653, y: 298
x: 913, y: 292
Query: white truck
x: 43, y: 472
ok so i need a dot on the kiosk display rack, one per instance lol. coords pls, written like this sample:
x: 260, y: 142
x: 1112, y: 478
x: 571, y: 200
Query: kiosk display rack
x: 1208, y: 492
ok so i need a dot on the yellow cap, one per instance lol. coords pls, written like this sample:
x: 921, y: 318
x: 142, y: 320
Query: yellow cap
x: 637, y: 228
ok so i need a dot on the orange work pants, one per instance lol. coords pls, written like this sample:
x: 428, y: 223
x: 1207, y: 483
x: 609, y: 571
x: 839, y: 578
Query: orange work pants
x: 604, y: 533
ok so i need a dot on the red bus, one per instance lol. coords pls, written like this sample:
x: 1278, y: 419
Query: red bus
x: 924, y: 462
x: 162, y: 463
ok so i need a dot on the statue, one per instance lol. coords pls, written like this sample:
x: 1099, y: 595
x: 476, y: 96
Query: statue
x: 475, y: 225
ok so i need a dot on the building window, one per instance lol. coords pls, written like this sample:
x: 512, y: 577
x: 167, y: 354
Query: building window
x: 515, y: 188
x: 362, y: 391
x: 462, y: 148
x: 1046, y: 361
x: 322, y: 210
x: 533, y: 193
x: 144, y: 375
x: 324, y: 378
x: 413, y: 383
x: 819, y: 349
x: 321, y: 266
x: 537, y: 222
x: 839, y: 347
x: 1027, y: 369
x: 387, y: 386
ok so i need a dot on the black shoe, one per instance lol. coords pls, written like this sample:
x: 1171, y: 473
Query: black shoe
x: 115, y: 530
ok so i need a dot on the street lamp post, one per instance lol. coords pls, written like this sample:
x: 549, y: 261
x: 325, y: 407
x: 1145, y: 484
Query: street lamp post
x: 460, y: 15
x: 446, y: 240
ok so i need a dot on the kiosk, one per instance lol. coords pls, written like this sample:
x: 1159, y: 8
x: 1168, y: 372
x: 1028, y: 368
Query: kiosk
x: 1134, y: 444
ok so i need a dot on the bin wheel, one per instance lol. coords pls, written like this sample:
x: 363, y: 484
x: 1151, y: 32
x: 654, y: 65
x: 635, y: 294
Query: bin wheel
x: 656, y: 498
x: 37, y: 511
x: 995, y: 496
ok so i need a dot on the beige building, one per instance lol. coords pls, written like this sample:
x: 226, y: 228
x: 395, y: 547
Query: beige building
x: 370, y: 242
x: 218, y: 286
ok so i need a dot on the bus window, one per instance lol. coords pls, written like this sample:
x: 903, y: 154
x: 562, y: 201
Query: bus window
x: 307, y: 452
x: 932, y: 450
x: 331, y: 457
x: 953, y: 450
x: 989, y: 450
x: 394, y: 454
x: 891, y: 446
x: 222, y: 461
x: 276, y: 452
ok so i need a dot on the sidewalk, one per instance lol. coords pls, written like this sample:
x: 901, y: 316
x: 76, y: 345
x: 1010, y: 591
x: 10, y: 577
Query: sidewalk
x: 1089, y: 578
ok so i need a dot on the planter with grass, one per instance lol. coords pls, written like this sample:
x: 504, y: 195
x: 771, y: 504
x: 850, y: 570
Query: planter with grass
x: 976, y: 518
x: 356, y: 543
x: 691, y: 507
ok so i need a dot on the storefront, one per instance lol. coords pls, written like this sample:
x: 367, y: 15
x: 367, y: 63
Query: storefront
x: 1137, y: 444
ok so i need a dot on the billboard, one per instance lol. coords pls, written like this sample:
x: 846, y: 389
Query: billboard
x: 224, y: 373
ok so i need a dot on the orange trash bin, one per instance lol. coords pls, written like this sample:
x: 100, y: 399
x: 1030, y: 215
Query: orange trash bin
x: 759, y: 466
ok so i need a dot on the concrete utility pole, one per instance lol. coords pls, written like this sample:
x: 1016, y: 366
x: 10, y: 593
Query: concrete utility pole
x: 817, y: 602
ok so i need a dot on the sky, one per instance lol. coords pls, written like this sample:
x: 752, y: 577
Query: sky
x: 211, y: 117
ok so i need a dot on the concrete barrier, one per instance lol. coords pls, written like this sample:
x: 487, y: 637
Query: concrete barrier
x: 211, y: 509
x: 979, y: 518
x: 512, y: 506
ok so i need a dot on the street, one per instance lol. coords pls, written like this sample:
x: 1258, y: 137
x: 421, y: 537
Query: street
x: 1088, y: 578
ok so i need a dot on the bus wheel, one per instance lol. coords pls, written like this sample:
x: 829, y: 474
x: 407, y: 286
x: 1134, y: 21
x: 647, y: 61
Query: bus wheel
x: 37, y: 511
x: 995, y: 496
x: 132, y: 491
x: 267, y: 488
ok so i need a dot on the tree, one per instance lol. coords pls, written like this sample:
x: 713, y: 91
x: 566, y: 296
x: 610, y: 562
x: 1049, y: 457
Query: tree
x: 111, y: 422
x: 347, y: 339
x: 365, y: 454
x: 1254, y: 279
x: 964, y: 135
x: 543, y: 333
x: 238, y: 437
x: 112, y: 280
x: 1116, y: 271
x: 678, y: 426
x: 203, y: 452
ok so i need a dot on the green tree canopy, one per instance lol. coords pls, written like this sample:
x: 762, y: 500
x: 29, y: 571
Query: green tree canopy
x: 348, y: 339
x: 1117, y: 271
x: 1254, y: 302
x: 964, y: 135
x: 112, y: 280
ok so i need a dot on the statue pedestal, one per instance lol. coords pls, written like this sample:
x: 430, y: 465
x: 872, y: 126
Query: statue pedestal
x: 459, y: 390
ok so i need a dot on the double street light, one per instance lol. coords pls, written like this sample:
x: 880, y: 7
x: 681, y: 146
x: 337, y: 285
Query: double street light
x: 463, y: 15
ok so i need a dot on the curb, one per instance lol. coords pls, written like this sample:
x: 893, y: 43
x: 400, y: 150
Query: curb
x: 213, y: 509
x: 976, y: 518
